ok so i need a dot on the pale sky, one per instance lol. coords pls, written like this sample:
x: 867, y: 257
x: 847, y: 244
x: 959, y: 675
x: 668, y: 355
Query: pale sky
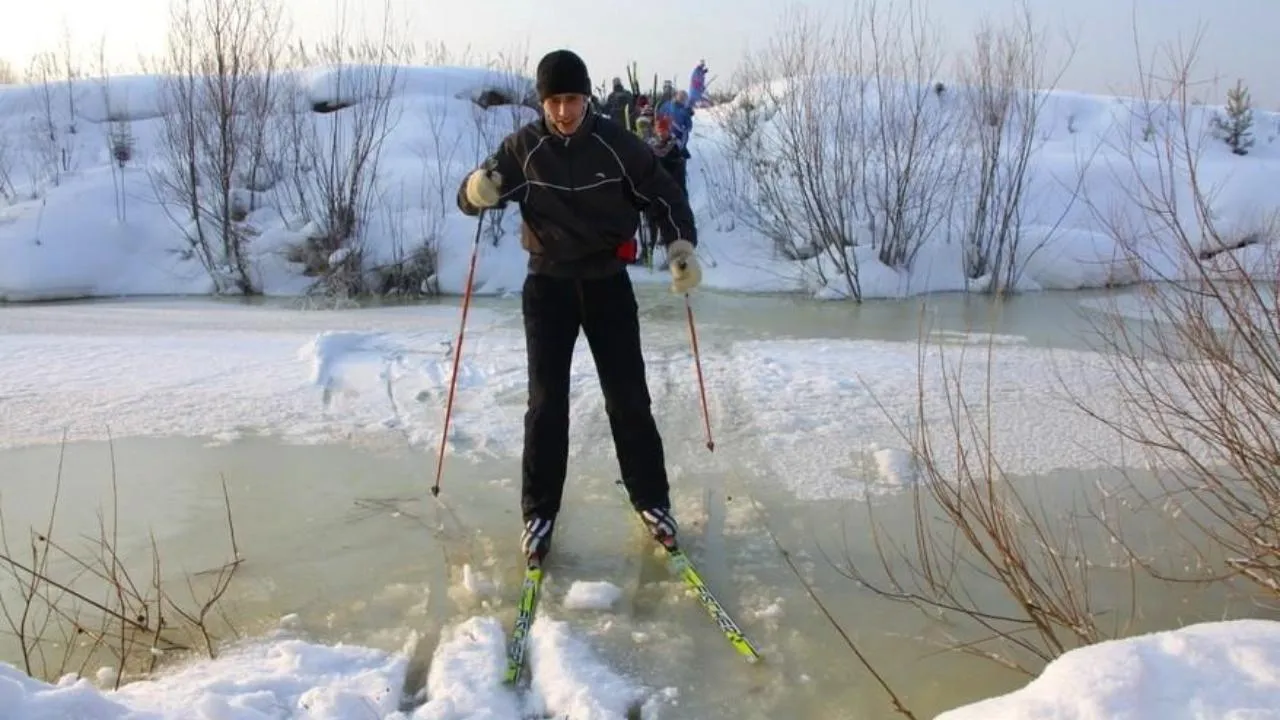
x: 670, y: 36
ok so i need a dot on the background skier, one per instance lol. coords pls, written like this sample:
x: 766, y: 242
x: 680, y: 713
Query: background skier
x: 620, y: 105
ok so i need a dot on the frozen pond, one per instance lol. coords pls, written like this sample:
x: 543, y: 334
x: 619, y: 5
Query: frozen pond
x: 324, y: 425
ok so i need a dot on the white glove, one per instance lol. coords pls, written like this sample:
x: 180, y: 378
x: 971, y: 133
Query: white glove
x: 484, y: 188
x: 686, y: 274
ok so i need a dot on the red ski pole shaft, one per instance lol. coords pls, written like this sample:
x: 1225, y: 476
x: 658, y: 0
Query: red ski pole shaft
x: 697, y: 364
x: 457, y: 356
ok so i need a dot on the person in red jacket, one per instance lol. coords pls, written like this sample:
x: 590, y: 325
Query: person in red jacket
x: 581, y: 182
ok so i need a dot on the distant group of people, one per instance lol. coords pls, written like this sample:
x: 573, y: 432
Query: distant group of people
x: 665, y: 123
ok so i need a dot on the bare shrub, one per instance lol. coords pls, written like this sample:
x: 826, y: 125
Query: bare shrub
x: 70, y: 70
x: 792, y: 178
x: 910, y: 171
x: 49, y: 147
x: 7, y: 190
x: 221, y: 61
x: 1012, y: 570
x: 1006, y: 85
x: 119, y: 136
x: 1197, y: 362
x: 412, y: 266
x: 838, y: 144
x: 334, y: 153
x: 71, y: 603
x: 1016, y: 571
x: 261, y: 170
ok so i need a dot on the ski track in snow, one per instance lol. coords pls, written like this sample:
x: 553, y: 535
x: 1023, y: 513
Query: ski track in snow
x: 819, y: 415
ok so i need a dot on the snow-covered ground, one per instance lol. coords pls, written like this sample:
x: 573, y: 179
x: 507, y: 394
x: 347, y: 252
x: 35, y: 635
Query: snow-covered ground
x: 1224, y: 671
x: 77, y: 226
x: 286, y: 677
x: 815, y: 409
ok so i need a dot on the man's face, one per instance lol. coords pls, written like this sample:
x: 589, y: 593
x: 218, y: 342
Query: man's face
x: 565, y: 111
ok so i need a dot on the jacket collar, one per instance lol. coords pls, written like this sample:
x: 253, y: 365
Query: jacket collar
x: 585, y: 129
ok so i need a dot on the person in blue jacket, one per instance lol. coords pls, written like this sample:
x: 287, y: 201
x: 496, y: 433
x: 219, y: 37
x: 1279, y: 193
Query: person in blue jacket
x: 681, y: 114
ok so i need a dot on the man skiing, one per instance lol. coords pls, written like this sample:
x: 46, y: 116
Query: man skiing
x: 581, y: 181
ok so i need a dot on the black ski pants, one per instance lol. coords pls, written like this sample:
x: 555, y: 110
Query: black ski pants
x: 605, y: 310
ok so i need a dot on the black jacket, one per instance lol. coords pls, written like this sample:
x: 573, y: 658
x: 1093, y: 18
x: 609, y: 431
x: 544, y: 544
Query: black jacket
x: 580, y: 197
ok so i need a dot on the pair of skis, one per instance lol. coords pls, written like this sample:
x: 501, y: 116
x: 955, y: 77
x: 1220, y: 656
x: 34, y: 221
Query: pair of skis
x: 679, y: 562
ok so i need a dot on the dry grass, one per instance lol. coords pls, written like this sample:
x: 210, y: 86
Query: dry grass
x: 72, y: 599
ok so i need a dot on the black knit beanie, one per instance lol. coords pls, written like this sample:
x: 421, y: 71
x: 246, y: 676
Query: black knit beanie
x: 562, y: 71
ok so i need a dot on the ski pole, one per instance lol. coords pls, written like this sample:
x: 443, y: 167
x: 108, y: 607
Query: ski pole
x: 457, y: 355
x: 697, y: 364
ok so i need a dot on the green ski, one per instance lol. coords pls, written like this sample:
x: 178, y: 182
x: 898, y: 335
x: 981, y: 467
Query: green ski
x: 519, y: 644
x: 682, y: 565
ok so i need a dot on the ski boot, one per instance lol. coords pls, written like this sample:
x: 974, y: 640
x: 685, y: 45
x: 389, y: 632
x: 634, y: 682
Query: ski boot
x: 535, y: 539
x: 661, y: 525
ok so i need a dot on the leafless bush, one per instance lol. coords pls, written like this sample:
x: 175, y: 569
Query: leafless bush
x: 7, y: 190
x: 119, y: 137
x: 839, y: 142
x: 49, y: 150
x: 221, y: 66
x: 801, y: 166
x: 8, y: 76
x: 910, y: 171
x: 1198, y: 364
x: 439, y: 152
x: 1012, y: 570
x: 1006, y: 85
x: 845, y: 147
x: 69, y: 603
x: 261, y: 170
x: 334, y: 152
x: 1018, y: 571
x: 412, y: 268
x: 70, y: 70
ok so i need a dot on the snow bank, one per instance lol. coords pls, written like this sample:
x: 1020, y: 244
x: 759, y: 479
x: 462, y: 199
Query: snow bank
x: 1211, y: 670
x: 254, y: 681
x: 1080, y: 225
x: 339, y: 85
x: 73, y: 226
x: 1215, y: 670
x: 321, y: 682
x: 83, y: 232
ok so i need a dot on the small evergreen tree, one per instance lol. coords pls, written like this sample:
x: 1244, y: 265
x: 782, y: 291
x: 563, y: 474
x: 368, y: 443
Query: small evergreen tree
x: 1236, y: 129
